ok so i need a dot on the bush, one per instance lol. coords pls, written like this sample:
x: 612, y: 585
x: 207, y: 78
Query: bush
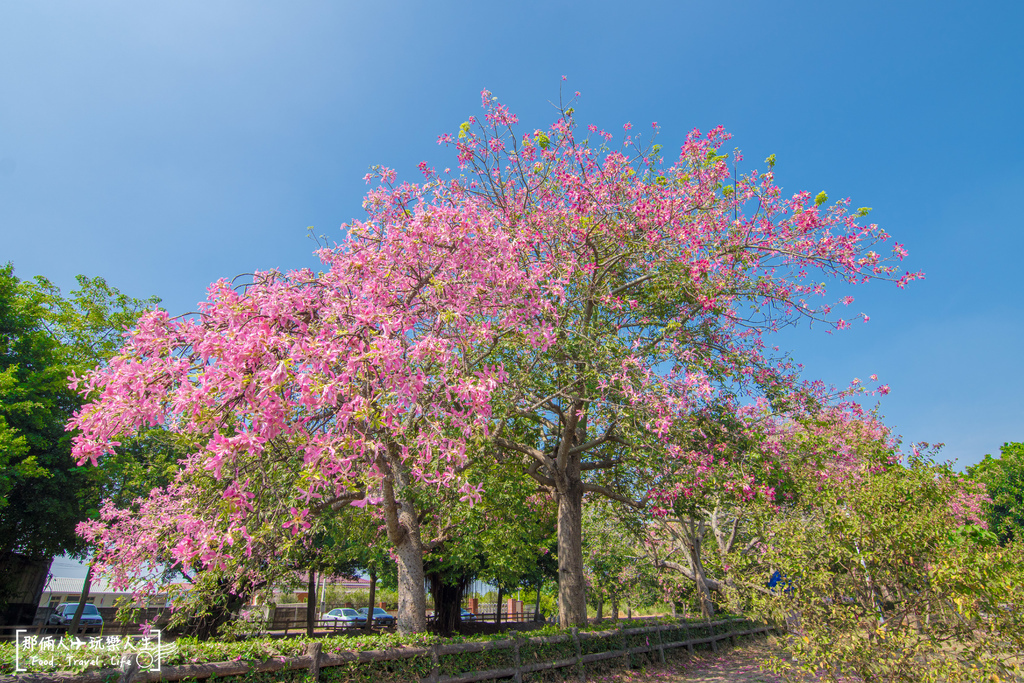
x: 884, y: 582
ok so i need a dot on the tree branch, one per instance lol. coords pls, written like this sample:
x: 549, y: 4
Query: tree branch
x: 603, y: 465
x: 604, y: 491
x: 538, y: 455
x: 532, y: 470
x: 594, y: 443
x: 637, y: 281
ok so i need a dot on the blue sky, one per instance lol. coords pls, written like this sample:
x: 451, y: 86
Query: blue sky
x: 165, y: 145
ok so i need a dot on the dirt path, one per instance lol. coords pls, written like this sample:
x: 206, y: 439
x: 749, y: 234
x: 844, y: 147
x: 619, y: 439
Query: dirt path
x: 736, y: 665
x: 739, y: 665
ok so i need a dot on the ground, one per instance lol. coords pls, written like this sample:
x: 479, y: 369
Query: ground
x: 733, y: 665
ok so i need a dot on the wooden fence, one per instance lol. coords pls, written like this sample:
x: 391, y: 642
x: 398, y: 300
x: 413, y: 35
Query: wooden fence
x: 315, y: 660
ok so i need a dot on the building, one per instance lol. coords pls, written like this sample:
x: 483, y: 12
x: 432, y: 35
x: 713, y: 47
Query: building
x: 101, y: 594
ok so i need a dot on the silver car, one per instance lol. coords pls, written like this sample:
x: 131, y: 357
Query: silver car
x: 345, y: 617
x: 65, y: 614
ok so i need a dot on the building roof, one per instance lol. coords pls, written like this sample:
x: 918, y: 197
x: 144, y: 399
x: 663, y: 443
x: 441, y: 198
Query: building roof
x: 63, y: 584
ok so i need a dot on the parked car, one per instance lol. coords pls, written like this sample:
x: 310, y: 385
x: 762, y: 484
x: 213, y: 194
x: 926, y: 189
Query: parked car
x: 65, y: 614
x: 467, y: 615
x: 345, y: 617
x: 380, y: 617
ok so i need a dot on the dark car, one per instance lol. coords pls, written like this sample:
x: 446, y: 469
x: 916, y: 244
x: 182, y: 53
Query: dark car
x: 380, y: 617
x: 91, y: 619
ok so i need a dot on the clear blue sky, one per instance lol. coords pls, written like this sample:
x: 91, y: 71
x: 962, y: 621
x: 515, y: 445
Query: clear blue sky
x: 165, y: 145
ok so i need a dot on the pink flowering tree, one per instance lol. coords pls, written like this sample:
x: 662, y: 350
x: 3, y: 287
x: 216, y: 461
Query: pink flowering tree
x: 305, y: 392
x: 663, y: 278
x: 568, y: 301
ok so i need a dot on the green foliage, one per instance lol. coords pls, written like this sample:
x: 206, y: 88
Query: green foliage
x: 505, y: 539
x: 42, y: 494
x: 1003, y: 478
x: 45, y: 337
x: 90, y: 323
x: 883, y: 582
x: 615, y: 563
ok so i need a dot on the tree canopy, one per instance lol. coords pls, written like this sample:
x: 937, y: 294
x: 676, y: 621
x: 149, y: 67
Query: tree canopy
x: 560, y: 303
x: 1003, y: 478
x: 44, y: 338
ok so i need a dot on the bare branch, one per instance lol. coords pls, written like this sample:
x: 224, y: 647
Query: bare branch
x: 604, y: 491
x: 532, y: 470
x: 594, y: 443
x: 637, y: 281
x: 526, y: 450
x: 603, y: 465
x: 339, y: 501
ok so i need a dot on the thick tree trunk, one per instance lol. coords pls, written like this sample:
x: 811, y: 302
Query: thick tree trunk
x: 412, y: 599
x: 600, y: 610
x: 615, y: 610
x: 447, y: 593
x: 222, y: 605
x: 404, y: 532
x: 86, y: 585
x: 373, y: 598
x: 572, y: 586
x: 311, y: 603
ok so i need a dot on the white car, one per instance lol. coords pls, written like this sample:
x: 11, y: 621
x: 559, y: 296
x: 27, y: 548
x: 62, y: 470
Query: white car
x: 345, y: 616
x: 65, y: 614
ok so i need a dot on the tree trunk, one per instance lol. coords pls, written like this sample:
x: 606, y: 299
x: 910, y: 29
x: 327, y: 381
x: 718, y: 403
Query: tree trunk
x: 404, y: 532
x: 497, y: 612
x: 572, y: 586
x: 536, y: 606
x: 707, y: 605
x: 447, y: 593
x: 73, y: 629
x: 311, y: 603
x: 373, y: 598
x: 600, y: 610
x: 220, y: 608
x: 615, y: 609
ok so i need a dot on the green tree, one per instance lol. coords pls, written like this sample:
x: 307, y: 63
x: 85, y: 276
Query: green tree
x: 42, y: 491
x: 44, y: 338
x: 885, y: 582
x: 615, y: 562
x: 1003, y: 478
x: 504, y: 538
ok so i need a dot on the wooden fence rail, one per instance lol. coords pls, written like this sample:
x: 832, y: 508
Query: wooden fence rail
x: 314, y: 661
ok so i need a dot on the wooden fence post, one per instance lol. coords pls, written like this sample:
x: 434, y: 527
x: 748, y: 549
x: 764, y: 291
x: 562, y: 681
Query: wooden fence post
x: 582, y: 669
x: 314, y: 650
x: 661, y: 644
x: 517, y: 659
x: 625, y: 646
x: 435, y: 672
